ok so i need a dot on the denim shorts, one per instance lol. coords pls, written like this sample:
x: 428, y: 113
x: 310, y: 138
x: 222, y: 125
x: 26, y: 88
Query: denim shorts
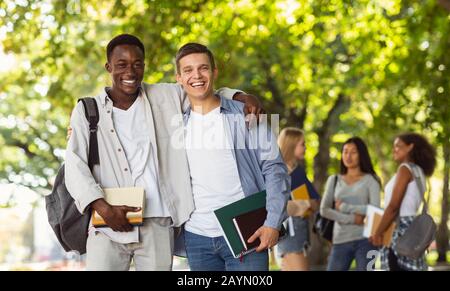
x: 299, y: 242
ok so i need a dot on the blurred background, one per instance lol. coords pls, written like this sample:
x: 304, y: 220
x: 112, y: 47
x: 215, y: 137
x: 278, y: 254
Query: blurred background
x: 335, y: 68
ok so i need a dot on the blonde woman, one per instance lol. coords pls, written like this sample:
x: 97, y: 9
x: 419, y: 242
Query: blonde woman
x: 292, y: 249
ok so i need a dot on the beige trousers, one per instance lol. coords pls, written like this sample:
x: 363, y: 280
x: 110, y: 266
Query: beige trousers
x: 152, y: 253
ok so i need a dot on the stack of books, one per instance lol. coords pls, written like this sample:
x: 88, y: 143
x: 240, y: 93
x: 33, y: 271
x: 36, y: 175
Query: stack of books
x: 300, y: 204
x: 373, y: 219
x: 240, y: 220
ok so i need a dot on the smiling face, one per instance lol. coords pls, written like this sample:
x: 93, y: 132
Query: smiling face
x: 350, y: 156
x: 401, y: 150
x: 197, y: 75
x: 126, y: 66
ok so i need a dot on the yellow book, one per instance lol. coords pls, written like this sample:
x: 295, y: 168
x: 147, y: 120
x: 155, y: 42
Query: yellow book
x: 132, y: 197
x: 300, y: 197
x: 300, y: 193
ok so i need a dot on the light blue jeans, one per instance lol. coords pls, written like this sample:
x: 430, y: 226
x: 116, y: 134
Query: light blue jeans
x: 213, y: 254
x: 342, y: 255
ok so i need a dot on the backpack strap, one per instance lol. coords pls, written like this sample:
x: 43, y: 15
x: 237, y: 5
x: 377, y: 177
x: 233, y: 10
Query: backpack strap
x: 336, y: 178
x: 92, y: 115
x: 416, y: 172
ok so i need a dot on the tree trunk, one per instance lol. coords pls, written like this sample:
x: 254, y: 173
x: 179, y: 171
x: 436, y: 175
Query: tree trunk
x: 296, y: 117
x: 445, y: 4
x: 329, y: 126
x: 319, y: 247
x: 385, y: 173
x: 29, y: 235
x: 442, y: 237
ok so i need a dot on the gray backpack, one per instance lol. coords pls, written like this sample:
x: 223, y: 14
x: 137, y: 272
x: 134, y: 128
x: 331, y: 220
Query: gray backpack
x: 69, y: 225
x: 419, y: 235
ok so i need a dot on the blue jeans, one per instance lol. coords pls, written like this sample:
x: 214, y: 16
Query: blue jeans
x: 342, y: 255
x: 213, y: 254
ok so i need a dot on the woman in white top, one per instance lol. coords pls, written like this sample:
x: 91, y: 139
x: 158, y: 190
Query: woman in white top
x: 403, y: 198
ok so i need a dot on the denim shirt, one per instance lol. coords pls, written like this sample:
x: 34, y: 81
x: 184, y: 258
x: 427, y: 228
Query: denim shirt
x: 258, y: 158
x: 259, y: 163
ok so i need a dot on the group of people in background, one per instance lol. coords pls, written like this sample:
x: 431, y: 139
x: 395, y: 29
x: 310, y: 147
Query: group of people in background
x: 346, y: 197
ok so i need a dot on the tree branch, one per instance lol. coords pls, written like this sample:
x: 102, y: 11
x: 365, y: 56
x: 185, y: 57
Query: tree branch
x: 445, y: 4
x: 332, y: 115
x: 36, y: 132
x: 322, y: 159
x: 24, y: 147
x: 297, y: 117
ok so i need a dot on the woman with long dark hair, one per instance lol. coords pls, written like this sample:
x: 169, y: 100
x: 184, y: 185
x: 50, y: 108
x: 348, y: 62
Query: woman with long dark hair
x: 345, y: 201
x: 414, y: 154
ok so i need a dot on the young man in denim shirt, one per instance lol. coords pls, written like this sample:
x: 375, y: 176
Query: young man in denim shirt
x: 227, y: 162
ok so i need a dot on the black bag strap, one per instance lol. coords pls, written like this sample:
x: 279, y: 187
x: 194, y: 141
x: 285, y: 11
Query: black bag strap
x: 336, y: 177
x: 92, y: 115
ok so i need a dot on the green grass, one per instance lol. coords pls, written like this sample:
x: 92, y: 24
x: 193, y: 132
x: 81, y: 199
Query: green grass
x: 432, y: 256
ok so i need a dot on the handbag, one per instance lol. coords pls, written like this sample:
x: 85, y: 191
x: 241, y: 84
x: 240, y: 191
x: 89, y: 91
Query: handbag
x: 421, y: 232
x: 324, y: 226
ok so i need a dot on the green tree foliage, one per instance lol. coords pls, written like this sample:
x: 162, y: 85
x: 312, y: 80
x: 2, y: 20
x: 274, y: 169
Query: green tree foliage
x: 336, y: 68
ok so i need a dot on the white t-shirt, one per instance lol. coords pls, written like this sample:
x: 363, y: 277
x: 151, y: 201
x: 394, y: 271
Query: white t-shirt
x: 133, y: 130
x: 214, y: 174
x: 412, y: 199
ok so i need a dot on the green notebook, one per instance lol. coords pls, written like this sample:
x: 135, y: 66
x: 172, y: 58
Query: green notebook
x: 226, y: 214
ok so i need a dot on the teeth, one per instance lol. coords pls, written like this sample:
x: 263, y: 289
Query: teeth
x: 198, y: 84
x: 129, y: 81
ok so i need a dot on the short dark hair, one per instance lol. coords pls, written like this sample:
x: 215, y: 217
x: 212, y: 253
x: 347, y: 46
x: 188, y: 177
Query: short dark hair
x: 423, y: 153
x: 365, y: 162
x: 193, y: 48
x: 123, y: 39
